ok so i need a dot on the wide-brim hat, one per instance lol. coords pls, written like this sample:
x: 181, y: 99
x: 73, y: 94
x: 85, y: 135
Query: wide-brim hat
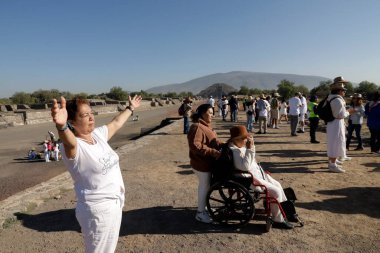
x: 276, y: 95
x: 238, y: 132
x: 357, y: 95
x: 187, y: 100
x: 262, y: 96
x: 338, y: 83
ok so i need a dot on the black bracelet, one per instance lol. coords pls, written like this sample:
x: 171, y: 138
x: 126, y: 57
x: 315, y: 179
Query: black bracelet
x: 63, y: 128
x: 129, y: 108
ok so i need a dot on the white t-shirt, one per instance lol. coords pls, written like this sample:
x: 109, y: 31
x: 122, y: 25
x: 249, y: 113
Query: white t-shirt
x: 95, y: 170
x: 294, y: 106
x: 303, y: 108
x: 211, y: 102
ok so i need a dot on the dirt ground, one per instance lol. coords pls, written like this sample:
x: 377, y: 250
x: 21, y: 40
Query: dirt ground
x: 341, y: 211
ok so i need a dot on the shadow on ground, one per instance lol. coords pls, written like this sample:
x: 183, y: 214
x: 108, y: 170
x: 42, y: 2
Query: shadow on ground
x: 352, y: 200
x: 154, y: 220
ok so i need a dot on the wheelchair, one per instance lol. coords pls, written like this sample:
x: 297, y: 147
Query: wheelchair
x: 231, y: 199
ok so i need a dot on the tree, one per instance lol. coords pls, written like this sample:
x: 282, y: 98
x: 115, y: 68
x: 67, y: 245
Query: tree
x: 45, y: 96
x: 244, y: 90
x: 22, y: 98
x: 303, y: 89
x: 286, y: 89
x: 117, y: 93
x: 366, y: 88
x: 322, y: 90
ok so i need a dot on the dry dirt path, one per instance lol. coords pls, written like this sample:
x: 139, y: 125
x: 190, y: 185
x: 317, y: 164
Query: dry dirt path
x: 17, y: 173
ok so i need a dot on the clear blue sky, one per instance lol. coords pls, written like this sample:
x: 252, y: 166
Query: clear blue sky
x: 93, y: 45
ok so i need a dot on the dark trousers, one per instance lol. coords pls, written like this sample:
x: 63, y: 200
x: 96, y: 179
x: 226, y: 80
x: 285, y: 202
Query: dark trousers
x: 350, y: 129
x: 293, y: 124
x: 313, y: 127
x: 375, y: 140
x: 186, y: 124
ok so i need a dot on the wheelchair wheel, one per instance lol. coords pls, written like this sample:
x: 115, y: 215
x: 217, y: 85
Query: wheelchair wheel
x: 230, y: 203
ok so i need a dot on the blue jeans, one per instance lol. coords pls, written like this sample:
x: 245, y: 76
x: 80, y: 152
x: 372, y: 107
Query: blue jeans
x: 186, y: 124
x: 234, y: 115
x: 350, y: 129
x: 250, y: 121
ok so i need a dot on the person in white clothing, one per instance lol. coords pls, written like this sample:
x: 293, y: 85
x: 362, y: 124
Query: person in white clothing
x: 303, y: 111
x: 46, y: 151
x: 294, y: 111
x: 243, y: 149
x: 336, y: 129
x: 211, y: 101
x: 95, y: 170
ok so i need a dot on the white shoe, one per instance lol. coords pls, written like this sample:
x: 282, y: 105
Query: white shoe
x: 335, y: 168
x: 338, y: 162
x: 346, y: 158
x: 203, y: 217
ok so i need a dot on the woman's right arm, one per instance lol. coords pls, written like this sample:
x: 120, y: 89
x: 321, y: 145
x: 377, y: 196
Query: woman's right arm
x: 196, y: 144
x: 67, y: 137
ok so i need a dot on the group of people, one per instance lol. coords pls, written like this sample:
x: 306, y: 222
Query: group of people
x: 95, y: 170
x: 51, y: 150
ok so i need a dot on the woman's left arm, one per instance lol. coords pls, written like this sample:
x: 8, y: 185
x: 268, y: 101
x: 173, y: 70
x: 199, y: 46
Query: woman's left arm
x: 120, y: 119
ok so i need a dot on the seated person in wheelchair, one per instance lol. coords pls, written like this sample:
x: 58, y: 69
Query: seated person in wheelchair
x: 243, y: 149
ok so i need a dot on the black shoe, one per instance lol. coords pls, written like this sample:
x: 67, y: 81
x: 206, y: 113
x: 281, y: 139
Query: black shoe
x: 265, y: 132
x: 294, y: 134
x: 300, y: 131
x: 359, y: 148
x: 283, y: 225
x: 259, y: 132
x: 314, y: 141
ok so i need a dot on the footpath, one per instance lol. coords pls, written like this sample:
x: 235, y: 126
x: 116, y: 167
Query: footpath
x: 341, y: 211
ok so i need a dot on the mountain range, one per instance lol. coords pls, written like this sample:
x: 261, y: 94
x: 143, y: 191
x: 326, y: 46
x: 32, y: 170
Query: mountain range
x: 237, y: 79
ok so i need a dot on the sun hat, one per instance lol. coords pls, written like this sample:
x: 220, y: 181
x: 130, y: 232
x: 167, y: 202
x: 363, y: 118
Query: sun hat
x: 238, y: 132
x: 357, y: 95
x: 338, y: 83
x: 262, y: 96
x: 276, y: 95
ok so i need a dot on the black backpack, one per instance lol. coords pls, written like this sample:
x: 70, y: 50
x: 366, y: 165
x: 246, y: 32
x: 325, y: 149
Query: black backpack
x: 181, y: 110
x: 324, y: 110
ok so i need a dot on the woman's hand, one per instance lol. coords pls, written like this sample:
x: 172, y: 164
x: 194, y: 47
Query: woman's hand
x: 250, y: 143
x: 135, y: 101
x: 59, y: 115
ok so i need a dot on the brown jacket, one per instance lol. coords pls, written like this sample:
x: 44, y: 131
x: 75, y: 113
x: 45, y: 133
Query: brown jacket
x: 203, y: 146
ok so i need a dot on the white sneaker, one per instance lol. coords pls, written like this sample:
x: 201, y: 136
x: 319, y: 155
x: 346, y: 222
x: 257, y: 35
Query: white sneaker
x: 346, y: 158
x: 203, y: 217
x: 338, y: 162
x: 335, y: 168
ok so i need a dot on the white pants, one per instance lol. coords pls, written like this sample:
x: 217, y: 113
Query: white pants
x: 275, y: 190
x: 203, y: 187
x: 100, y: 225
x: 47, y: 156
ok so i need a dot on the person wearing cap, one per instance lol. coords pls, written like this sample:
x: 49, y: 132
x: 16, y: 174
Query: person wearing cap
x: 263, y: 107
x: 294, y: 112
x: 204, y: 149
x: 242, y: 146
x: 372, y: 110
x: 336, y: 130
x: 355, y: 121
x: 313, y: 118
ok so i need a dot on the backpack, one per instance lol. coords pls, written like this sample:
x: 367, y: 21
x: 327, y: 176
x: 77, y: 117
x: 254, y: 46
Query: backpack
x: 181, y: 110
x: 324, y: 110
x: 274, y: 103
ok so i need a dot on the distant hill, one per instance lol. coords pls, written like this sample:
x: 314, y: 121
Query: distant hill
x: 236, y: 79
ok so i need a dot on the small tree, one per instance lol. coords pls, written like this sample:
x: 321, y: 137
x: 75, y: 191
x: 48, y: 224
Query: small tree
x: 286, y: 89
x: 366, y: 88
x: 22, y: 98
x: 117, y: 93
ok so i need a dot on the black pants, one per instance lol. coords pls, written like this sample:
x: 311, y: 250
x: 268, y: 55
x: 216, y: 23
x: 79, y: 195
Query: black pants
x: 313, y: 127
x: 375, y: 140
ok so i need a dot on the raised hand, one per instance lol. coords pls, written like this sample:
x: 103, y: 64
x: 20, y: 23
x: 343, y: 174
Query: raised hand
x: 135, y: 101
x: 59, y: 115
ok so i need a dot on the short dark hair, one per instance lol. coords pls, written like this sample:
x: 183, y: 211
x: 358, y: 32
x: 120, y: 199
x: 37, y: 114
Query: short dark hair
x: 72, y: 106
x: 199, y: 112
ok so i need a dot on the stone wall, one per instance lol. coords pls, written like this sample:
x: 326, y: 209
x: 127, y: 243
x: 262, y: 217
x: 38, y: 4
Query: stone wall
x: 27, y: 117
